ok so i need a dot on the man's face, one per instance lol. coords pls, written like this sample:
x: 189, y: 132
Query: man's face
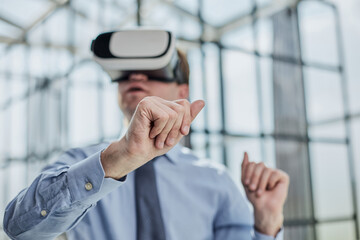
x: 139, y: 86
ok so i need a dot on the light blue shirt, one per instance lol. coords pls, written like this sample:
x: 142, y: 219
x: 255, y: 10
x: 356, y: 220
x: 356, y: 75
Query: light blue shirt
x: 198, y: 199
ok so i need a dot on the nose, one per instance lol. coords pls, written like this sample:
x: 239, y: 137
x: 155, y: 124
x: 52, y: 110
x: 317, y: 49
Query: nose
x: 139, y: 77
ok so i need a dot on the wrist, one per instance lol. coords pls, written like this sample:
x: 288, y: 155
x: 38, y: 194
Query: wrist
x: 115, y: 160
x: 269, y: 224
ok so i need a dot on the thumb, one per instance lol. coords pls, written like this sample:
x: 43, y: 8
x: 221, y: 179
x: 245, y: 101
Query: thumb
x: 195, y: 108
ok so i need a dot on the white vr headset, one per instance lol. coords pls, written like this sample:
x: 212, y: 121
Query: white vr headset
x: 151, y: 52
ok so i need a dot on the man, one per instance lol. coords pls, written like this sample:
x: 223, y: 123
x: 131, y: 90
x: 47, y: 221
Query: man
x: 145, y: 185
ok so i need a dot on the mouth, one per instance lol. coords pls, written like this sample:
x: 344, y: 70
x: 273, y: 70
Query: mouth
x: 135, y: 89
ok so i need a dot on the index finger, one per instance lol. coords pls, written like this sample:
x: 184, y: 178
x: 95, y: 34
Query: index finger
x: 244, y: 164
x: 245, y: 161
x: 195, y: 108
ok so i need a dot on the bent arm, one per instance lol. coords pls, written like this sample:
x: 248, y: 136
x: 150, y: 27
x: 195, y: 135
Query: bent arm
x: 58, y: 198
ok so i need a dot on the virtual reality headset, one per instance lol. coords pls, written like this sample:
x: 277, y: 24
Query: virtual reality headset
x: 150, y: 52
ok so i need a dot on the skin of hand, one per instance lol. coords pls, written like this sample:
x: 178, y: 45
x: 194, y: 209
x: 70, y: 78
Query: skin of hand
x: 155, y: 127
x: 266, y: 189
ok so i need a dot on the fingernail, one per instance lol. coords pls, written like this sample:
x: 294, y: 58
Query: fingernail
x: 259, y: 192
x: 247, y: 181
x: 186, y: 129
x: 252, y: 186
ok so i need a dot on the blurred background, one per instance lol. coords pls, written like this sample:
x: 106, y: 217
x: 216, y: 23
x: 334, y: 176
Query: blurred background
x: 281, y: 80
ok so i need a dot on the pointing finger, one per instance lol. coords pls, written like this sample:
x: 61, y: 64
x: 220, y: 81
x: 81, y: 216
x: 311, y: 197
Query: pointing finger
x: 195, y: 108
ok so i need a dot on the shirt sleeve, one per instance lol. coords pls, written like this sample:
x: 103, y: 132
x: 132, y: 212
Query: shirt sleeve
x: 234, y: 220
x: 58, y: 198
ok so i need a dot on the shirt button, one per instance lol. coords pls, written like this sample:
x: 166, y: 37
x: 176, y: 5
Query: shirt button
x: 43, y: 213
x: 88, y: 186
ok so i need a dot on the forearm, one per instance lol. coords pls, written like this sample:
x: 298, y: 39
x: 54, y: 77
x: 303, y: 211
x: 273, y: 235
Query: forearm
x: 57, y: 200
x: 268, y: 223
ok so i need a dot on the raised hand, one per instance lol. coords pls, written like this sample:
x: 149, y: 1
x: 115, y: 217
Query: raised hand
x: 156, y: 126
x: 266, y: 189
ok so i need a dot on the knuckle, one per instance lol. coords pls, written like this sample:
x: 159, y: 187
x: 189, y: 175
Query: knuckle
x: 268, y: 171
x: 261, y: 164
x: 164, y: 116
x: 178, y: 108
x: 172, y: 114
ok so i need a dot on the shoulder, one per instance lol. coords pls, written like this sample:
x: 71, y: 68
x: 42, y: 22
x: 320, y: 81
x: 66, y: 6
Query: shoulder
x: 205, y: 165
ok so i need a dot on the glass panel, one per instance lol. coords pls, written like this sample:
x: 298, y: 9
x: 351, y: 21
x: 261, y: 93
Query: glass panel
x: 23, y: 12
x: 83, y: 117
x: 37, y: 126
x: 16, y: 61
x: 198, y: 143
x: 91, y: 9
x: 166, y: 17
x: 323, y: 95
x: 266, y: 73
x: 17, y: 88
x: 355, y: 141
x: 112, y: 115
x: 85, y: 30
x: 263, y: 3
x: 329, y: 130
x: 36, y: 61
x: 190, y: 5
x: 240, y: 92
x: 60, y: 63
x: 242, y: 38
x: 265, y: 35
x: 354, y: 88
x: 269, y: 152
x: 112, y: 14
x: 331, y: 181
x: 16, y: 178
x: 56, y: 29
x: 236, y: 147
x: 2, y: 48
x: 299, y: 232
x: 18, y: 125
x: 336, y: 231
x: 5, y: 120
x: 226, y: 10
x: 7, y: 30
x: 318, y: 33
x: 53, y: 131
x: 216, y: 148
x: 125, y: 4
x: 213, y: 103
x: 3, y: 89
x: 87, y: 73
x: 196, y: 85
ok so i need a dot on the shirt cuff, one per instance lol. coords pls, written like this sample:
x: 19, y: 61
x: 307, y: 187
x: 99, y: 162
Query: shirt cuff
x: 87, y: 182
x: 279, y: 235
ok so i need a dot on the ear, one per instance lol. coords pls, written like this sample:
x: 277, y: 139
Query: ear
x: 183, y: 91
